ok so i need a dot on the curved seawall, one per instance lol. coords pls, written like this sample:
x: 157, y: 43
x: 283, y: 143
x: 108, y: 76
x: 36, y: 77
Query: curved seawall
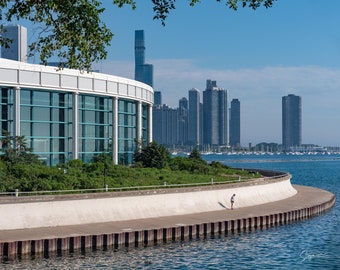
x: 159, y: 216
x: 75, y: 210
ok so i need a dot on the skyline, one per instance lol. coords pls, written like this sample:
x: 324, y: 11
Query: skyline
x: 259, y: 56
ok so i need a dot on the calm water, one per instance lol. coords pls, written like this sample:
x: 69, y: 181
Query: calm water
x: 309, y: 244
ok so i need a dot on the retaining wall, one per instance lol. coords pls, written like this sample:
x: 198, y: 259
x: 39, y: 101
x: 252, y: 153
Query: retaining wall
x: 307, y: 203
x: 151, y: 204
x: 59, y: 246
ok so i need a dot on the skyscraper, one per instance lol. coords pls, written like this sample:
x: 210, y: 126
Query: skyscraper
x: 18, y: 48
x: 183, y: 121
x: 157, y: 98
x: 291, y: 122
x: 165, y: 125
x: 194, y: 117
x: 215, y: 115
x: 143, y: 72
x: 235, y: 123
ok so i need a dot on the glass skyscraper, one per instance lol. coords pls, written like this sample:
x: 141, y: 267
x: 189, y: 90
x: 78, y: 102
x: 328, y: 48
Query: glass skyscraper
x: 215, y: 115
x: 183, y: 121
x: 194, y: 117
x: 18, y: 47
x: 143, y: 71
x: 291, y: 122
x: 235, y: 123
x: 165, y: 125
x: 157, y: 98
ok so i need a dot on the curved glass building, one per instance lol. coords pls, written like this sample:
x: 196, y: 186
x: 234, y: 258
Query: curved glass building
x: 68, y: 114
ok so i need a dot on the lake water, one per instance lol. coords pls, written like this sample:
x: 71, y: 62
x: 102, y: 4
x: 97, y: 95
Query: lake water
x: 308, y: 244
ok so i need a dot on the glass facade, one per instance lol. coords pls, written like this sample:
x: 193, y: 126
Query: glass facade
x: 95, y: 126
x: 68, y: 114
x: 46, y: 123
x: 145, y: 124
x: 127, y: 130
x: 143, y: 71
x: 7, y: 111
x: 291, y: 122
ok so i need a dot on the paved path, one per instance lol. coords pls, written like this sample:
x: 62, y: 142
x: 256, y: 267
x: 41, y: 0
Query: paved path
x: 306, y: 197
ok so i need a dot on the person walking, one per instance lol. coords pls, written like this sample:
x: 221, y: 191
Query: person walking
x: 232, y: 200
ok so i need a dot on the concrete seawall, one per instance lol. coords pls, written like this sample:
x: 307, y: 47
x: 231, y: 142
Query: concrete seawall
x: 255, y: 208
x: 150, y: 204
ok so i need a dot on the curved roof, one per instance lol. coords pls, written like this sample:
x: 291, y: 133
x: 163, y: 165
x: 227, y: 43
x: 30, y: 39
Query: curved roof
x: 24, y: 75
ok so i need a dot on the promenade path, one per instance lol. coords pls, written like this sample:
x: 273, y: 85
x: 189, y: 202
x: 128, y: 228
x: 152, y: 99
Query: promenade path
x: 306, y: 197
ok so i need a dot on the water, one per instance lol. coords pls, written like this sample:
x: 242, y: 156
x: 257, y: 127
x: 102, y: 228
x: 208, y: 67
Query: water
x: 308, y: 244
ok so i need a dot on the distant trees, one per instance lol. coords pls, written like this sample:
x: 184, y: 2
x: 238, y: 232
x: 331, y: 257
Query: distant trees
x: 193, y: 163
x: 22, y: 170
x: 153, y: 155
x: 195, y: 154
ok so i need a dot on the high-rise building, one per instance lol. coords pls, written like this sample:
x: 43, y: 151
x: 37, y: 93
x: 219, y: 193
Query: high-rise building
x: 143, y: 71
x: 194, y: 117
x: 223, y: 117
x: 157, y: 97
x: 18, y: 47
x: 165, y: 125
x: 235, y: 123
x: 291, y: 122
x: 215, y: 115
x: 183, y: 121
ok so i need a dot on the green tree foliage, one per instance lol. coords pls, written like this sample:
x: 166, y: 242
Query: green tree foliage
x: 195, y: 154
x: 191, y: 165
x: 153, y: 155
x: 75, y: 175
x: 73, y: 30
x: 15, y: 151
x: 165, y: 6
x: 162, y: 8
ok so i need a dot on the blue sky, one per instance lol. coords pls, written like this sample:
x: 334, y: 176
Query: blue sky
x: 259, y: 56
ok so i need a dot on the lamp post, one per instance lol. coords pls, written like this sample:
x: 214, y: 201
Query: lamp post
x: 105, y: 185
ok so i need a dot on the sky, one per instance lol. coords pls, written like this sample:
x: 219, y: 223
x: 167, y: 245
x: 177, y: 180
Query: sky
x: 259, y: 56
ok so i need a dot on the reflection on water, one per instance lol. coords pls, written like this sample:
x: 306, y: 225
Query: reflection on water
x: 299, y: 245
x: 308, y: 244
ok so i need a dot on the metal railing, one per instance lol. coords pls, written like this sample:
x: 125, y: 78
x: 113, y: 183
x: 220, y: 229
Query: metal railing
x: 17, y: 193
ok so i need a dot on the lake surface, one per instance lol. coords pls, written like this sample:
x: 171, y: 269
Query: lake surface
x: 308, y: 244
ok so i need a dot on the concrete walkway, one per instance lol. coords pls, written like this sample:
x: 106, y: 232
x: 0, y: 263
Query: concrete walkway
x: 305, y: 198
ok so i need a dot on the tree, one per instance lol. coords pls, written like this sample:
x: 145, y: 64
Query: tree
x: 15, y: 150
x: 195, y: 154
x: 73, y: 31
x: 153, y: 155
x: 163, y: 7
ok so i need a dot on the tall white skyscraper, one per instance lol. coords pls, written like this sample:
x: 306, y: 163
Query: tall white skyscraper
x: 18, y: 48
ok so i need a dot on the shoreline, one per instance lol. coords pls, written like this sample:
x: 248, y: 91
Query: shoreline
x: 308, y: 202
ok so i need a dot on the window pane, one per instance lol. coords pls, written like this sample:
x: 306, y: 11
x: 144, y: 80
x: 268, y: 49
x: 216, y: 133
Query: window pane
x: 41, y: 98
x: 25, y: 113
x: 40, y: 130
x: 40, y: 114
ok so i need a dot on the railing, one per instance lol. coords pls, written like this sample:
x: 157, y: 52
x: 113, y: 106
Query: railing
x: 265, y: 178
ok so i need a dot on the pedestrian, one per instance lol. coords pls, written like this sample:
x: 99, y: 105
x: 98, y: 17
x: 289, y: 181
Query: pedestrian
x: 232, y: 200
